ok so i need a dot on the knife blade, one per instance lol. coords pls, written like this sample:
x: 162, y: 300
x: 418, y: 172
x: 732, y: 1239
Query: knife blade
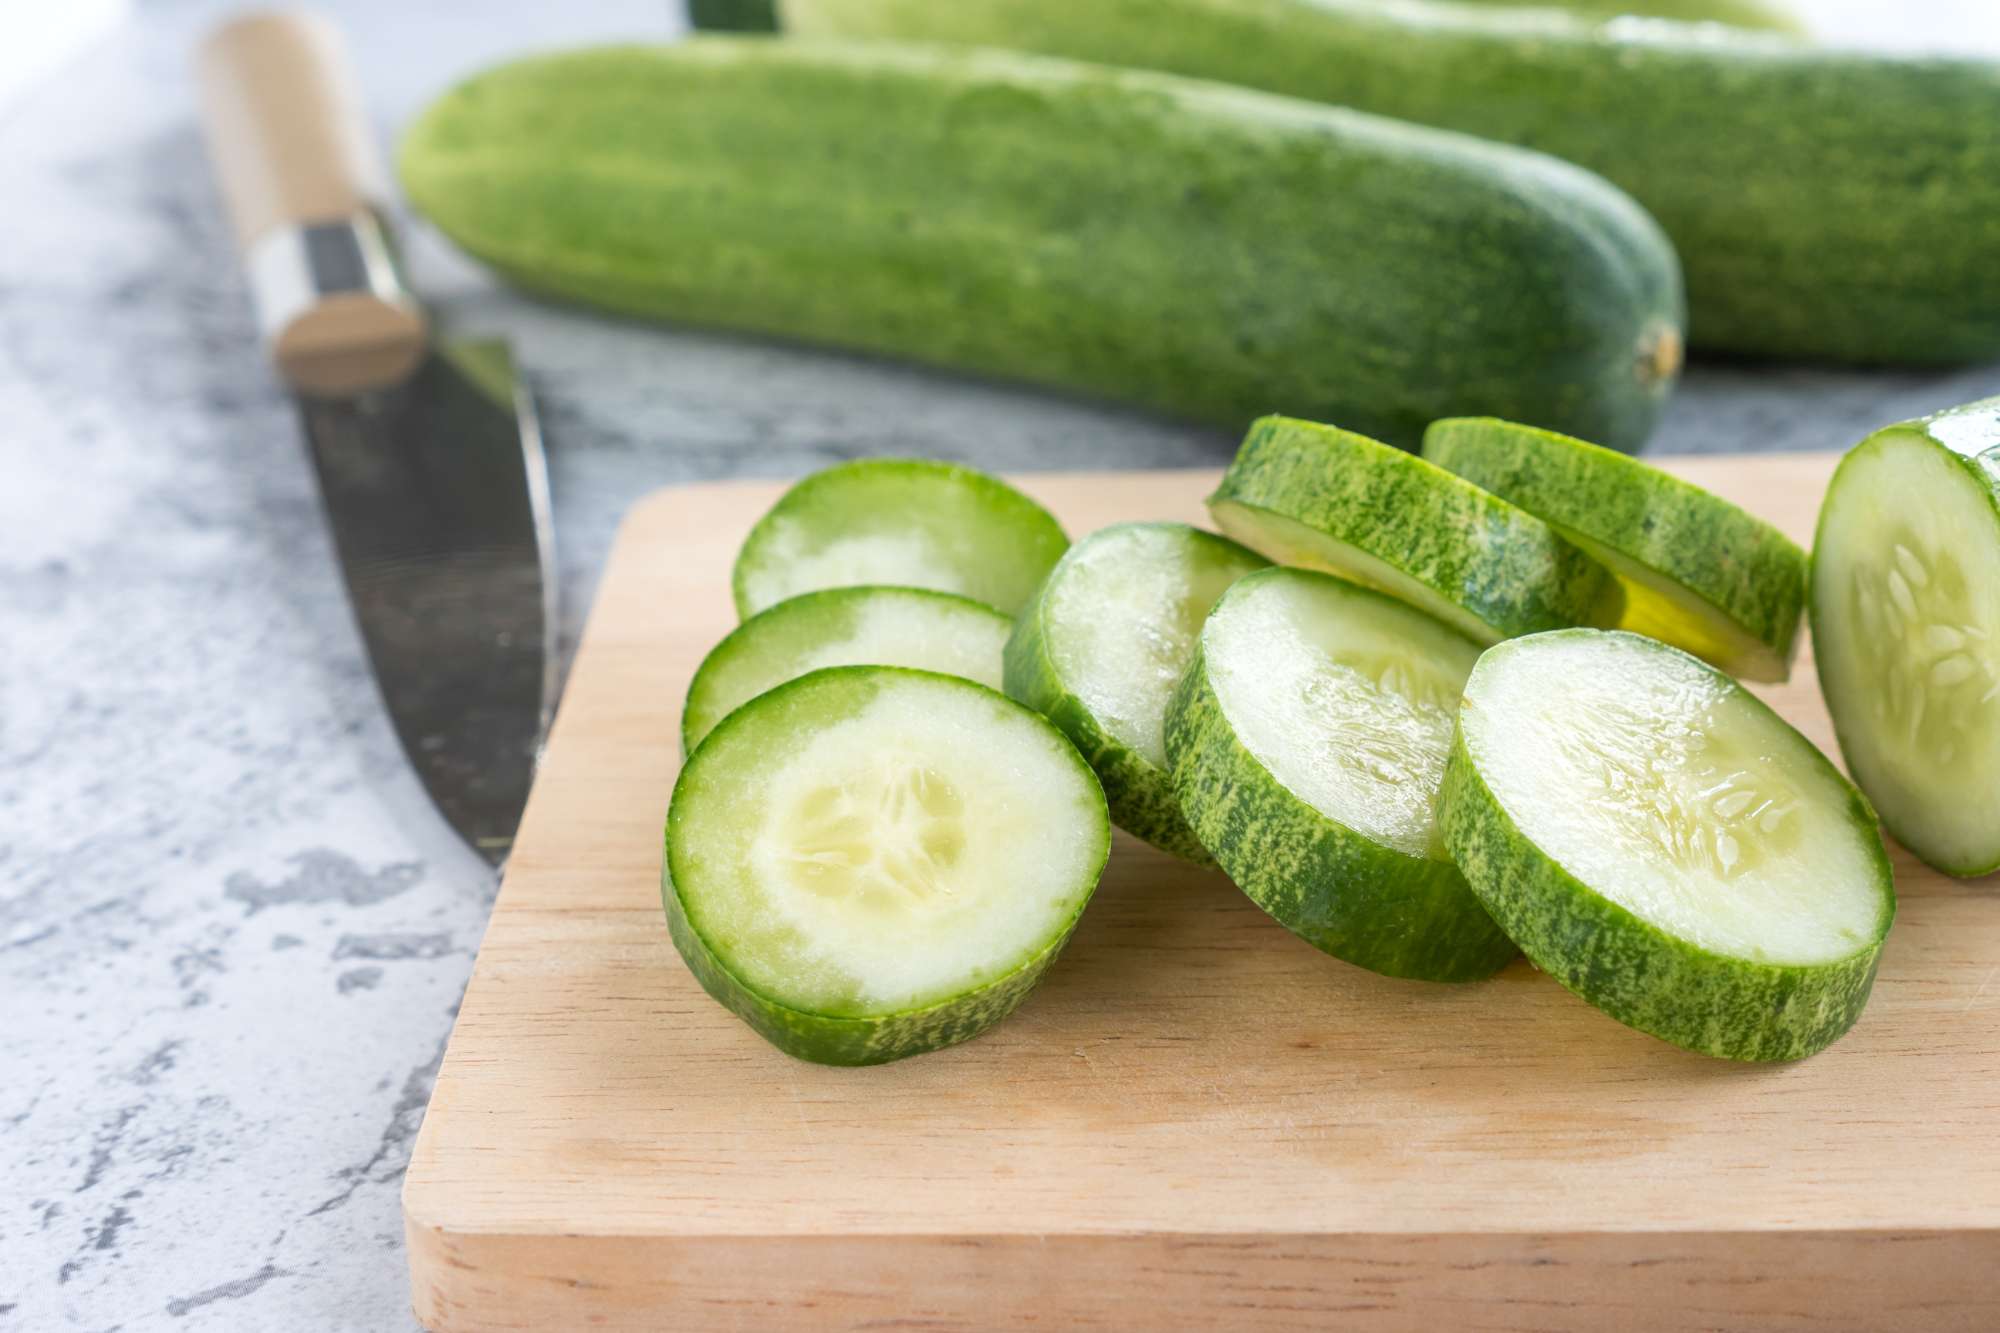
x: 427, y: 449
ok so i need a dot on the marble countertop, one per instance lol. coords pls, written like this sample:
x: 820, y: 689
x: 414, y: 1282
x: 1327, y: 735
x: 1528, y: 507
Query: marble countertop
x: 232, y: 932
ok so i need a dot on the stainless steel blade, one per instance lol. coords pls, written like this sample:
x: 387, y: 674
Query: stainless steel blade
x: 437, y: 492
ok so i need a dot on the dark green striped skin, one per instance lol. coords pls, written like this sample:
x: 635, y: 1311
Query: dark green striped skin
x: 1827, y: 204
x: 832, y: 1039
x: 1198, y: 249
x: 1737, y: 565
x: 1338, y: 890
x: 1737, y: 13
x: 1632, y: 970
x: 827, y: 1040
x: 1503, y: 567
x: 1140, y: 792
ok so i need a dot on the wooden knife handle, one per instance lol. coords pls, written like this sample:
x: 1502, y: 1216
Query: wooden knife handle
x: 307, y: 197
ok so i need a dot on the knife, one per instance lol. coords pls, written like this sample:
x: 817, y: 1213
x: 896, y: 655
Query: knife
x: 428, y: 454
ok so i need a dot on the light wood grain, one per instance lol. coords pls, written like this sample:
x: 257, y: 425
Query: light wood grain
x: 1197, y: 1121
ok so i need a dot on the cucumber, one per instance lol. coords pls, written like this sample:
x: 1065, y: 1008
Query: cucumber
x: 1306, y: 742
x: 1736, y: 13
x: 1906, y: 630
x: 1665, y: 846
x: 866, y: 626
x: 1698, y: 571
x: 903, y: 521
x: 733, y: 15
x: 1102, y: 646
x: 1306, y: 494
x: 869, y: 862
x: 1197, y: 249
x: 1826, y: 204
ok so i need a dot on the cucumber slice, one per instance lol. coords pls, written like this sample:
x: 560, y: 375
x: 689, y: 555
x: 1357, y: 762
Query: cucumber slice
x: 1307, y: 740
x: 1906, y: 630
x: 912, y: 522
x: 1325, y: 498
x: 1100, y: 649
x: 871, y: 862
x: 905, y: 627
x: 1698, y: 571
x: 1664, y: 845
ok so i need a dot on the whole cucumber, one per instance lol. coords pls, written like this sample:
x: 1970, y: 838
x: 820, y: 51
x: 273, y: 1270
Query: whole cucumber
x: 1190, y: 247
x: 1827, y: 204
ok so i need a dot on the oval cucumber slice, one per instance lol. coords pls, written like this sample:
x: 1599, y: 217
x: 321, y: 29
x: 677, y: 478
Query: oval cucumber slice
x: 870, y: 862
x: 905, y: 627
x: 1906, y: 630
x: 1666, y: 846
x: 1307, y: 740
x: 1328, y: 499
x: 1100, y: 649
x: 1698, y: 572
x: 905, y: 521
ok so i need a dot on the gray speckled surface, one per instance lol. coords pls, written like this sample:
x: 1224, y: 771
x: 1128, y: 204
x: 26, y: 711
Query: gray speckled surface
x: 232, y: 934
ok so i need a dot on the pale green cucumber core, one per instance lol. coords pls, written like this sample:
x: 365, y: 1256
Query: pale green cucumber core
x: 1907, y: 603
x: 905, y: 627
x: 1122, y: 620
x: 1347, y: 700
x: 1668, y: 790
x: 917, y: 839
x: 1291, y: 542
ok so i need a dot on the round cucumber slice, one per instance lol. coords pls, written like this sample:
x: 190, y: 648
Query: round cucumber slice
x: 1307, y: 740
x: 871, y: 862
x: 1100, y: 649
x: 905, y: 627
x: 911, y: 522
x: 1666, y: 846
x: 1906, y: 630
x: 1698, y: 571
x: 1328, y: 499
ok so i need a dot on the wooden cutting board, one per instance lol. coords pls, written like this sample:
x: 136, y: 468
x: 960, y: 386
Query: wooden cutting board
x: 1198, y: 1122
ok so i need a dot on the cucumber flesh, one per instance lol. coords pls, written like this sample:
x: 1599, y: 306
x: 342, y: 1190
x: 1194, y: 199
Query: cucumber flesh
x: 1655, y: 837
x: 1906, y: 632
x: 1328, y: 499
x: 870, y: 862
x: 893, y: 521
x: 1307, y: 742
x: 1697, y: 571
x: 905, y: 627
x: 1102, y: 647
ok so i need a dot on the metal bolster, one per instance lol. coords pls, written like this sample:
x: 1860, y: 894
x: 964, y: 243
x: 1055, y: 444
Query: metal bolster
x: 293, y: 268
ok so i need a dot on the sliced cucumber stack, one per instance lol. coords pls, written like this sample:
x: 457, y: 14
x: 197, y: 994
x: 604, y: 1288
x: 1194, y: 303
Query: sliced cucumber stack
x: 905, y: 627
x: 1102, y: 646
x: 913, y: 522
x: 1666, y: 846
x: 1698, y: 571
x: 1313, y: 495
x: 1906, y: 630
x: 1307, y: 740
x: 871, y: 862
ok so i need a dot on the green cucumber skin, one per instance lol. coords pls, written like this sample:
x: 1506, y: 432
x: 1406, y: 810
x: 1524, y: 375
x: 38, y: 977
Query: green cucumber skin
x: 1738, y: 563
x: 845, y: 1040
x: 1501, y: 564
x: 1972, y: 436
x: 1197, y: 249
x: 1808, y: 228
x: 1399, y: 915
x: 1635, y: 972
x: 1737, y: 13
x: 851, y: 1041
x: 733, y: 15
